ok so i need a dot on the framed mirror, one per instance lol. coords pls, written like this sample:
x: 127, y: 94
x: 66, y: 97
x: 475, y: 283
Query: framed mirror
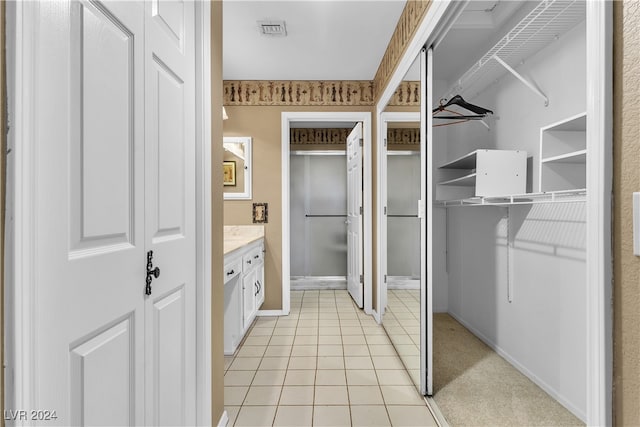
x: 237, y: 168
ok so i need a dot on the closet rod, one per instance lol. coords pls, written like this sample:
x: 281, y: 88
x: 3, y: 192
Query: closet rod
x: 526, y: 82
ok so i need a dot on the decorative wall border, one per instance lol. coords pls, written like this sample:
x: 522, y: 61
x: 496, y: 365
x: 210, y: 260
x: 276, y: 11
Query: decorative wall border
x: 407, y: 95
x: 298, y: 92
x: 403, y: 136
x: 301, y: 136
x: 410, y: 19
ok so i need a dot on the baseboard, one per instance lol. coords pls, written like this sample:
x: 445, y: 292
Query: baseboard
x: 224, y: 419
x: 523, y: 370
x: 311, y: 284
x: 271, y: 313
x: 402, y: 283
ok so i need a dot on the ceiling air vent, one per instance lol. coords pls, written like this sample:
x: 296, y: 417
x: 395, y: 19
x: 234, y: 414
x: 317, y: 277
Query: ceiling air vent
x: 272, y: 28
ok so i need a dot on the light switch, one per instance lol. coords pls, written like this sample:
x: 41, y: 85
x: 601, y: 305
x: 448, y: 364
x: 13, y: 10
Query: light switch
x: 636, y: 224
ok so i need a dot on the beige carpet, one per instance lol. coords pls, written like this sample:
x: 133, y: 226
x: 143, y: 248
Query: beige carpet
x: 475, y: 387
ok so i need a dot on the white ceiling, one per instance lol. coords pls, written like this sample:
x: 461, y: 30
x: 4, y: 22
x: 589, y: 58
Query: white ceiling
x: 326, y: 40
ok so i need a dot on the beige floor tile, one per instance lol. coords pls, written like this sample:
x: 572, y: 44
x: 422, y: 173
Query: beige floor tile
x: 365, y: 395
x: 393, y: 377
x: 382, y: 350
x: 236, y: 378
x: 387, y: 362
x: 302, y: 363
x: 351, y: 330
x: 375, y: 330
x: 377, y: 339
x: 353, y: 339
x: 357, y: 362
x: 330, y: 350
x: 304, y: 350
x: 261, y: 332
x: 408, y: 350
x: 330, y: 362
x: 228, y: 360
x: 329, y: 322
x: 331, y: 395
x: 308, y: 323
x: 361, y: 377
x: 305, y: 340
x: 274, y: 363
x: 331, y: 416
x: 356, y: 350
x: 307, y: 331
x: 281, y: 340
x: 251, y: 351
x: 293, y: 416
x: 263, y: 340
x: 256, y: 416
x: 300, y: 377
x: 283, y: 322
x: 265, y: 322
x: 401, y: 395
x: 369, y: 416
x: 245, y: 364
x: 232, y: 413
x: 350, y: 322
x: 262, y: 395
x: 278, y: 351
x: 269, y: 378
x: 329, y: 339
x: 331, y: 377
x: 329, y: 330
x: 410, y: 416
x: 284, y: 331
x: 234, y: 396
x: 297, y: 395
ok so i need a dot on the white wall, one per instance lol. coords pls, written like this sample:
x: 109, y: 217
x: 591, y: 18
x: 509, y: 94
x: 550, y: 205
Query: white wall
x: 543, y: 330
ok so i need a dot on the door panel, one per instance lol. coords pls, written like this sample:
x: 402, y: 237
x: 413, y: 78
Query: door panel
x: 169, y: 315
x: 101, y: 378
x: 89, y: 327
x: 102, y: 133
x: 170, y: 198
x: 354, y: 217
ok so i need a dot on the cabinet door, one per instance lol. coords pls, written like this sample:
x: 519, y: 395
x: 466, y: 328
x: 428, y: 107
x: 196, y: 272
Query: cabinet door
x: 249, y: 296
x: 260, y: 283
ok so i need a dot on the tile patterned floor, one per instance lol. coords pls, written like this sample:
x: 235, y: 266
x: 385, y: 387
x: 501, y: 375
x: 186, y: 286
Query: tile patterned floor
x: 402, y: 323
x: 326, y: 364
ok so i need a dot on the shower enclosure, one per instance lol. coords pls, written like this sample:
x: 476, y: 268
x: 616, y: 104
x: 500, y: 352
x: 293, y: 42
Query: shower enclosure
x: 318, y: 194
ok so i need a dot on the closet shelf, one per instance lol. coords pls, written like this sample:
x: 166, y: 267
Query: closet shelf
x: 546, y: 22
x: 463, y: 181
x: 564, y: 196
x: 579, y: 156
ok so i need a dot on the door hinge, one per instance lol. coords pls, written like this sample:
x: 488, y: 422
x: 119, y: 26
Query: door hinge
x: 361, y: 210
x: 361, y: 142
x: 385, y: 210
x: 385, y: 278
x: 385, y: 142
x: 361, y: 278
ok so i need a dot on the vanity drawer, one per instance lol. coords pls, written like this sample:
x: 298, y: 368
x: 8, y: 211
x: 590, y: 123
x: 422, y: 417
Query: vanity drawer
x: 232, y: 269
x: 251, y: 258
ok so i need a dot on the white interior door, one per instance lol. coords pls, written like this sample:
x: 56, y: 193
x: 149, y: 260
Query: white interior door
x: 170, y: 206
x: 425, y: 212
x: 105, y: 143
x: 354, y: 215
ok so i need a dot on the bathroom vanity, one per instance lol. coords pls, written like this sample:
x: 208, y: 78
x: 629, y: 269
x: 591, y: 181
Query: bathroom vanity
x: 243, y: 281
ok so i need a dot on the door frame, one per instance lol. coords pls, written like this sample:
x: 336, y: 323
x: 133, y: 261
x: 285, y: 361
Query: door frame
x: 599, y: 317
x: 20, y: 281
x: 287, y: 119
x: 381, y: 163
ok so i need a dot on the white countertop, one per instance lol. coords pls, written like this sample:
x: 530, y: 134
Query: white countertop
x: 237, y: 236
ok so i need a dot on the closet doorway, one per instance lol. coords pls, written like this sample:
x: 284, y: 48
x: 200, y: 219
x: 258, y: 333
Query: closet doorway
x: 326, y: 204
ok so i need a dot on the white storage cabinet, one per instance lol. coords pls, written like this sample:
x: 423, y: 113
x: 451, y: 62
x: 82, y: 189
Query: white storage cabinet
x: 243, y: 292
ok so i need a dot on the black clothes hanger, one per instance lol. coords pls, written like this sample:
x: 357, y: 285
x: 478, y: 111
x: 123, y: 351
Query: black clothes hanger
x: 458, y: 100
x: 480, y: 112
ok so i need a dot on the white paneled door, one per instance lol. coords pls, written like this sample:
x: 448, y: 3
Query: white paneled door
x: 115, y: 180
x: 354, y: 215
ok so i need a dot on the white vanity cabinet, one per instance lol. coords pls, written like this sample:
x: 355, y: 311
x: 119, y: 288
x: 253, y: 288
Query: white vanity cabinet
x: 243, y: 291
